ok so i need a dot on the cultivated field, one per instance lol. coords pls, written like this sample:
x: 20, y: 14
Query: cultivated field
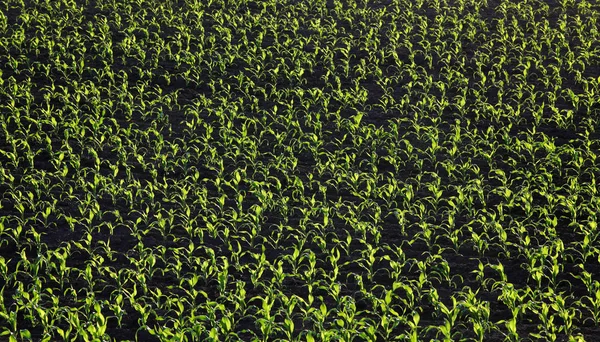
x: 299, y: 170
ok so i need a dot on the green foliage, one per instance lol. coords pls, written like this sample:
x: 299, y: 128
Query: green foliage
x: 299, y: 170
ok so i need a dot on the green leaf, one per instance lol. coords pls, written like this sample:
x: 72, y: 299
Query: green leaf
x: 25, y: 334
x: 323, y: 310
x: 226, y: 324
x: 214, y: 334
x: 289, y: 324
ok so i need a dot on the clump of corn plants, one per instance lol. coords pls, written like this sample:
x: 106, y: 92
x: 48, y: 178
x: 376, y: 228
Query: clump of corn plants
x: 299, y: 171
